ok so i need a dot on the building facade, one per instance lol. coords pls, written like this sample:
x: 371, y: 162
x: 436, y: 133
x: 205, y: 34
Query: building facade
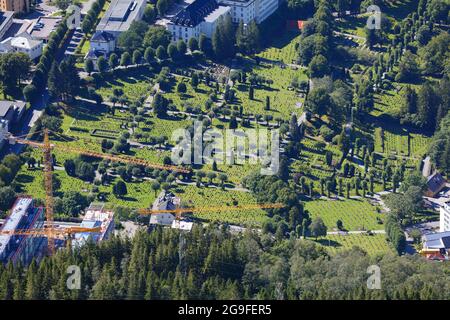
x: 6, y: 20
x: 15, y: 5
x: 116, y: 20
x: 165, y: 201
x: 18, y: 248
x: 96, y: 216
x: 23, y: 43
x: 444, y: 217
x: 202, y: 16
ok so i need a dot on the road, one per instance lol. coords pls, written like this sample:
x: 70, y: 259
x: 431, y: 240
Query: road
x: 30, y: 117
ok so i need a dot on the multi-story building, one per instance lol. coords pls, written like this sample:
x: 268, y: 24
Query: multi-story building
x: 15, y: 5
x: 96, y: 216
x: 444, y: 217
x: 22, y: 248
x: 201, y: 16
x: 436, y: 246
x: 6, y: 20
x: 23, y: 43
x: 242, y: 10
x: 117, y: 19
x: 165, y: 201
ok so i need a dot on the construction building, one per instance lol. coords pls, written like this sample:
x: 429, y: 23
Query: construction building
x: 96, y: 216
x: 22, y: 248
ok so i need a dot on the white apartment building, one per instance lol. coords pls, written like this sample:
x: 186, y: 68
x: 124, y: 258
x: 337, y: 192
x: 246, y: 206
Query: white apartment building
x: 23, y: 43
x: 242, y: 10
x: 444, y: 217
x: 202, y: 16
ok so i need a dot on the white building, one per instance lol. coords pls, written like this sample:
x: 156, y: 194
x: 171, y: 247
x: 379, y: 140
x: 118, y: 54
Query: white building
x: 103, y: 41
x: 23, y: 43
x: 265, y: 8
x: 202, y: 16
x: 165, y: 201
x: 96, y: 216
x: 117, y: 19
x: 4, y: 130
x: 243, y: 10
x: 444, y: 217
x: 6, y: 20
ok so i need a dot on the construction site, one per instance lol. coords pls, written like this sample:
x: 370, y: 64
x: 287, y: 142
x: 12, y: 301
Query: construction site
x: 30, y: 232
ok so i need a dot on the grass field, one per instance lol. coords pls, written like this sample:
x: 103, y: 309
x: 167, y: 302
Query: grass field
x: 213, y: 197
x: 356, y: 214
x: 373, y: 244
x: 282, y: 100
x: 283, y: 49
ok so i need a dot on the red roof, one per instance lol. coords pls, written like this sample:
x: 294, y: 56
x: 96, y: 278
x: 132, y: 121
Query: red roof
x: 295, y: 24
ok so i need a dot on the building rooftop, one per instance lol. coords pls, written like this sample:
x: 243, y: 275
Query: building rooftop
x: 102, y: 36
x: 195, y: 13
x: 120, y: 15
x: 166, y: 201
x: 43, y: 27
x: 182, y: 225
x: 19, y: 210
x: 5, y: 16
x: 5, y: 106
x: 25, y: 41
x: 213, y: 16
x: 435, y: 182
x: 439, y: 240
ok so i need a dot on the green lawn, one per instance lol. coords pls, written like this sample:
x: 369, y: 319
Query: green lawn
x: 282, y: 100
x: 356, y: 214
x: 373, y: 244
x: 213, y: 197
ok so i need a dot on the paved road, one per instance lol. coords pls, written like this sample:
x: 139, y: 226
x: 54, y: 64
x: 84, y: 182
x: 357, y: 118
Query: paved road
x: 32, y: 114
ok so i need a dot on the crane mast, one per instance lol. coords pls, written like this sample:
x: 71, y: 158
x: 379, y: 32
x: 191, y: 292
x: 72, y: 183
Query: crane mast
x: 48, y: 182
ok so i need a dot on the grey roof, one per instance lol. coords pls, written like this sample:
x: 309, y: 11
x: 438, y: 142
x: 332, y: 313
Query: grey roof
x: 435, y: 182
x: 439, y: 240
x: 120, y: 15
x: 5, y: 16
x: 19, y: 210
x: 102, y: 36
x: 165, y: 202
x: 195, y: 13
x: 5, y: 106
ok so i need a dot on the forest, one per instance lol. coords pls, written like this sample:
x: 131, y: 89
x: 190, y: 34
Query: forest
x: 212, y: 263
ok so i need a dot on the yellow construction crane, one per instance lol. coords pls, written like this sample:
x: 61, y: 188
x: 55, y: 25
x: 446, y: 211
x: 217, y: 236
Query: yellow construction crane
x: 179, y: 211
x: 47, y: 147
x: 106, y: 156
x: 51, y: 233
